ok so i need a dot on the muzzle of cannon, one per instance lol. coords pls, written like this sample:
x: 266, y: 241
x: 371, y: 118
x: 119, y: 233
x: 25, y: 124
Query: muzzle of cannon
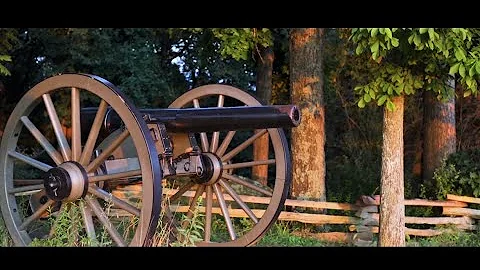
x: 144, y: 177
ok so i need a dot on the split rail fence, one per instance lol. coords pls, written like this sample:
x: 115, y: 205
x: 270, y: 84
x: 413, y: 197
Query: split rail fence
x: 355, y: 223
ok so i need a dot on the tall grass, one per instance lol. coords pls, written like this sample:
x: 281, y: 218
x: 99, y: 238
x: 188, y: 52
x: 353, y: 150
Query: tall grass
x: 5, y: 239
x: 281, y: 234
x: 180, y: 231
x: 68, y: 232
x: 452, y: 237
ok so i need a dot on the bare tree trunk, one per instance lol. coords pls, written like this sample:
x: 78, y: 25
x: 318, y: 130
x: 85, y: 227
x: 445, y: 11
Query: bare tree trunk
x: 264, y: 93
x: 264, y: 74
x: 417, y: 163
x: 439, y: 132
x: 392, y: 209
x: 308, y: 139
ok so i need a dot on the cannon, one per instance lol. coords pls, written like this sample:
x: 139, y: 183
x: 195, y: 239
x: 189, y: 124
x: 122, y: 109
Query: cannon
x: 143, y: 177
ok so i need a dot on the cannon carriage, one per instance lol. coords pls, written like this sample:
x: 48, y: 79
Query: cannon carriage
x: 142, y: 177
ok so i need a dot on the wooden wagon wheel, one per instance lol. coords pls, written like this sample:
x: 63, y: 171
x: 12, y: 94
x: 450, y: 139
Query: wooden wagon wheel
x: 69, y: 171
x: 230, y: 187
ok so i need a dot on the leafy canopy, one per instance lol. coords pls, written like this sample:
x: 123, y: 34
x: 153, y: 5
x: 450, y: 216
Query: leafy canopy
x: 405, y: 60
x: 239, y: 42
x: 8, y: 40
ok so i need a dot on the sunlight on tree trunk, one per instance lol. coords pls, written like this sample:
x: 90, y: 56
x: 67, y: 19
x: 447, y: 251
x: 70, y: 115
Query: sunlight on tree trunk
x: 308, y: 139
x: 439, y: 132
x: 392, y: 209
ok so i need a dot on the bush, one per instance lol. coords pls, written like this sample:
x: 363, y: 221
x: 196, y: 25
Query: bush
x: 459, y: 174
x: 348, y: 177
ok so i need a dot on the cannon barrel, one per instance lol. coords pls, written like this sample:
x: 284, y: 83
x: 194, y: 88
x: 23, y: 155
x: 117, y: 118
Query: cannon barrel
x: 207, y: 119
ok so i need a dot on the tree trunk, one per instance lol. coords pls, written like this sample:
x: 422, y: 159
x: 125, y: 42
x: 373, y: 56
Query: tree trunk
x: 417, y: 163
x: 264, y: 74
x: 264, y: 93
x: 439, y: 132
x: 308, y: 139
x: 392, y: 209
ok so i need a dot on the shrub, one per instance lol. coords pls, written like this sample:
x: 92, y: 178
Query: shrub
x: 459, y: 174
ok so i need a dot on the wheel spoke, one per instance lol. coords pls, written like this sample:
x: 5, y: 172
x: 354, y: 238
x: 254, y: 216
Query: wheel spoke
x: 108, y: 151
x: 36, y: 215
x: 203, y: 135
x: 51, y: 151
x: 114, y: 176
x: 76, y: 128
x: 26, y: 188
x: 237, y: 198
x: 181, y: 191
x: 26, y: 182
x: 248, y: 164
x: 224, y: 209
x: 216, y: 134
x: 93, y: 135
x: 226, y: 141
x: 228, y: 146
x: 245, y: 183
x: 221, y: 100
x: 208, y: 214
x: 100, y: 193
x: 242, y: 146
x: 57, y: 128
x: 77, y: 136
x: 33, y: 162
x: 86, y: 212
x: 214, y: 144
x: 102, y: 216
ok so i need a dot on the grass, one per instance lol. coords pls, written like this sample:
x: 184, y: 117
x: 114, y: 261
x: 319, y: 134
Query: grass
x: 281, y: 234
x: 67, y: 232
x: 5, y: 240
x: 452, y: 238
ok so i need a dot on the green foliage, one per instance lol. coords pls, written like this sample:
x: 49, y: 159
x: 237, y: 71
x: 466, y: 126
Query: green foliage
x: 409, y: 59
x: 378, y: 41
x: 353, y: 137
x: 390, y: 81
x: 281, y: 234
x: 459, y: 174
x: 451, y: 237
x: 239, y: 42
x: 3, y: 69
x: 200, y: 60
x: 127, y: 57
x: 5, y: 239
x: 193, y: 231
x: 422, y: 211
x: 8, y: 41
x: 349, y: 177
x: 68, y: 231
x: 353, y: 156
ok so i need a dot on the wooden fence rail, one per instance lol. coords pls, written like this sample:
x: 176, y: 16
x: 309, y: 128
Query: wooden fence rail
x: 361, y: 219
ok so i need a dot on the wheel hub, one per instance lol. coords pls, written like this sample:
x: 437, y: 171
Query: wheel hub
x: 67, y: 182
x: 212, y: 169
